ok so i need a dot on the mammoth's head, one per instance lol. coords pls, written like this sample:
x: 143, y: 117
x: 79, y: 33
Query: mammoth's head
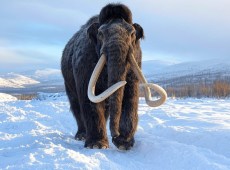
x: 115, y: 30
x: 115, y: 38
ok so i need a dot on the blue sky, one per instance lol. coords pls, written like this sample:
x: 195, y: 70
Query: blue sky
x: 34, y: 33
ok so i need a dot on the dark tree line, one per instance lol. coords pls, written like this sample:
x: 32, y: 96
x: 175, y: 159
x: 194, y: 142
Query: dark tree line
x: 218, y: 89
x: 200, y: 85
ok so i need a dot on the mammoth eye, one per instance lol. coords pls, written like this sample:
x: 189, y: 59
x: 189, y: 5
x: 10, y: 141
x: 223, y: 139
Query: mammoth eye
x: 133, y: 34
x: 100, y: 35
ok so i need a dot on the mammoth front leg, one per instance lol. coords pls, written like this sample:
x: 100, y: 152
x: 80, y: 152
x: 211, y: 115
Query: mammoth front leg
x: 129, y: 117
x: 93, y: 114
x: 95, y: 124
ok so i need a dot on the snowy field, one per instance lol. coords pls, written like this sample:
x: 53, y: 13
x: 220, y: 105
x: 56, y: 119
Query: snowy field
x: 181, y: 134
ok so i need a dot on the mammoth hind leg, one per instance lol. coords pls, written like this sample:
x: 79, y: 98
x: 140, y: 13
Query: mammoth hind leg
x: 75, y: 109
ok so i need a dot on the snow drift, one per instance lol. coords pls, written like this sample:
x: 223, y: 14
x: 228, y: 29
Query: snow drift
x: 181, y: 134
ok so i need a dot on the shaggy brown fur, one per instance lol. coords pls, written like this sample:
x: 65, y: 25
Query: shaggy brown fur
x: 113, y: 34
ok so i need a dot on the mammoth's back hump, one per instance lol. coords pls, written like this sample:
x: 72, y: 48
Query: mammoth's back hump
x: 79, y: 56
x: 78, y: 48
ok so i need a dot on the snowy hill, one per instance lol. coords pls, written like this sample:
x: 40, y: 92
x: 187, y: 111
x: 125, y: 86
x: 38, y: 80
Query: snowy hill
x: 6, y: 97
x: 14, y: 80
x: 190, y: 73
x: 48, y: 75
x: 181, y: 134
x: 186, y: 68
x: 154, y: 66
x: 161, y: 72
x: 44, y: 80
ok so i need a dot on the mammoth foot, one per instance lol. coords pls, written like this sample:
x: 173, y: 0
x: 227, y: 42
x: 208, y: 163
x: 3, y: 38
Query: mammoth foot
x: 80, y: 136
x: 121, y: 143
x: 97, y: 144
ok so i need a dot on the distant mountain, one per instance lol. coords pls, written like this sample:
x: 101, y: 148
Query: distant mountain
x: 161, y: 72
x: 6, y: 97
x: 14, y: 80
x: 154, y: 66
x: 189, y: 72
x: 43, y: 80
x: 48, y: 76
x: 185, y: 68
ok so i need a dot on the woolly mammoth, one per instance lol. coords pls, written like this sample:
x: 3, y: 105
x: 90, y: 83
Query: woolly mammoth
x: 101, y: 69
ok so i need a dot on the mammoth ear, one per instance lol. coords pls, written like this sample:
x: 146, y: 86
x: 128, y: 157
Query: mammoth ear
x: 92, y: 32
x: 139, y: 31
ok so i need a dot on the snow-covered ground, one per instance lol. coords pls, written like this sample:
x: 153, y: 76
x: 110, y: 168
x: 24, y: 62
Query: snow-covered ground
x: 181, y: 134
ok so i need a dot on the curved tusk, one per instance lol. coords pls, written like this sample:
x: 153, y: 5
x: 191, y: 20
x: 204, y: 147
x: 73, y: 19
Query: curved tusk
x: 93, y: 80
x: 159, y: 90
x: 147, y: 86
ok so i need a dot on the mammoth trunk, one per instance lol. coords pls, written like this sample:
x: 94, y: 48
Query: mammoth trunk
x: 117, y: 70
